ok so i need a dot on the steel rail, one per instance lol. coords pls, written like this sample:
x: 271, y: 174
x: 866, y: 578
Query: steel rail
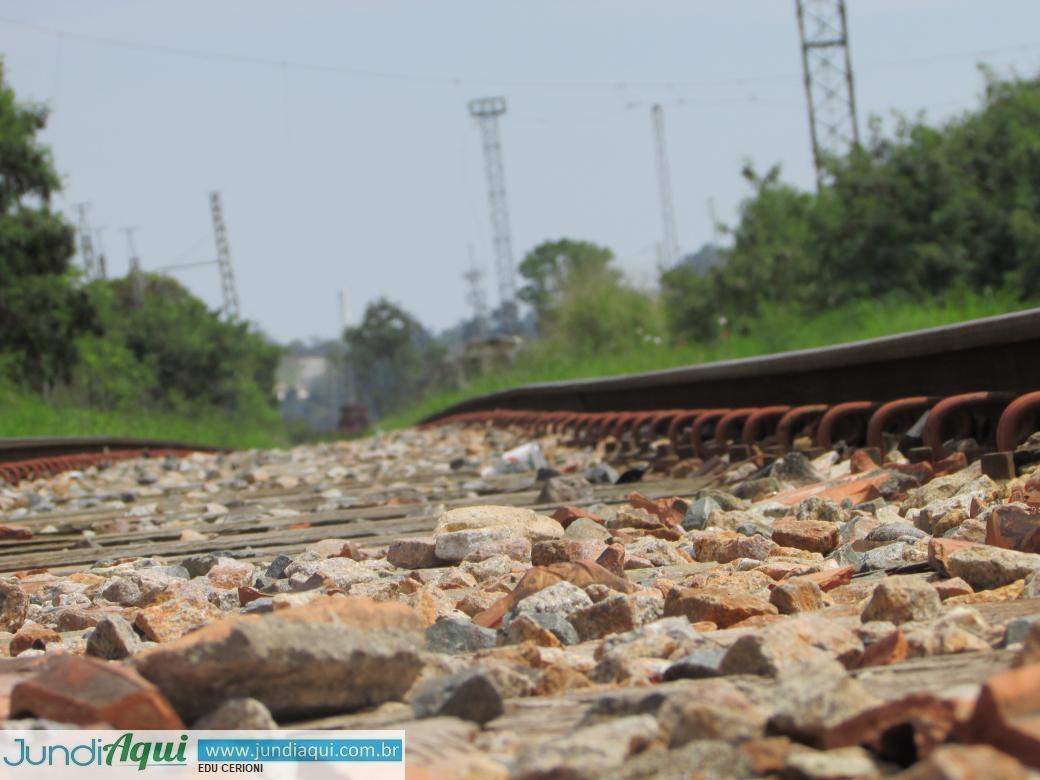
x: 997, y: 353
x: 42, y: 456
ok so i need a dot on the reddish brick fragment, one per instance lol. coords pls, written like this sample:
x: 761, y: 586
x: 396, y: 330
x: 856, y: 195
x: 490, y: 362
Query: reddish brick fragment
x: 12, y: 672
x: 580, y: 573
x: 951, y: 464
x: 922, y: 471
x: 928, y: 719
x: 246, y: 595
x: 889, y: 649
x: 33, y: 636
x: 558, y: 550
x: 831, y: 578
x: 863, y: 461
x: 15, y: 532
x: 613, y: 559
x: 1014, y: 528
x: 722, y: 607
x: 669, y: 511
x: 1005, y: 714
x: 940, y: 550
x: 171, y: 618
x: 953, y: 587
x: 856, y: 490
x: 566, y: 515
x: 74, y: 689
x: 414, y: 553
x: 813, y: 535
x: 797, y: 594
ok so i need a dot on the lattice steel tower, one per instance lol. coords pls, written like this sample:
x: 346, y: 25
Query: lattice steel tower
x: 828, y: 79
x: 475, y: 295
x: 227, y: 275
x: 669, y: 253
x: 86, y: 243
x: 487, y: 111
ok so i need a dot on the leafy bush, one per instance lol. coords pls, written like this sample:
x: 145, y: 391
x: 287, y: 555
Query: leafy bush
x: 922, y: 212
x: 173, y: 351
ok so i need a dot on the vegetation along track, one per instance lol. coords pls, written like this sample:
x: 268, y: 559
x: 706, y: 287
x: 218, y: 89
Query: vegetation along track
x: 977, y: 378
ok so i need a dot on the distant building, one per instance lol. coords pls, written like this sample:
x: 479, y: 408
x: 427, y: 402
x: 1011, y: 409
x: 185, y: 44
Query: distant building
x: 480, y: 356
x: 311, y: 388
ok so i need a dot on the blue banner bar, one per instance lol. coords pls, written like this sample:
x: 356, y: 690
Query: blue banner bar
x: 300, y: 750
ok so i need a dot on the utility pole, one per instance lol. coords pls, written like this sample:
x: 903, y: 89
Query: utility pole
x: 714, y: 219
x: 487, y: 111
x: 670, y: 236
x: 135, y: 275
x: 344, y: 312
x: 827, y: 69
x: 475, y: 295
x: 102, y: 261
x: 349, y: 387
x: 227, y: 276
x: 86, y: 244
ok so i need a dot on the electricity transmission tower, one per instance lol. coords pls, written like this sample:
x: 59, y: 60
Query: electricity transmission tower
x: 487, y: 111
x: 475, y: 295
x: 86, y: 243
x: 827, y: 68
x: 669, y: 252
x: 227, y: 276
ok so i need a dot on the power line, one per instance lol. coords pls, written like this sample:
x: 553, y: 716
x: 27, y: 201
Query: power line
x: 176, y: 262
x: 180, y: 266
x: 454, y: 80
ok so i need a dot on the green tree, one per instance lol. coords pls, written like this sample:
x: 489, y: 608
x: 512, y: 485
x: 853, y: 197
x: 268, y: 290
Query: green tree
x: 41, y: 309
x: 182, y: 353
x: 393, y: 356
x: 924, y: 211
x: 552, y: 268
x: 603, y: 315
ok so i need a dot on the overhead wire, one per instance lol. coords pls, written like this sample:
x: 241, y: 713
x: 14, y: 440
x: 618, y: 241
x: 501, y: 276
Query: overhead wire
x: 455, y: 80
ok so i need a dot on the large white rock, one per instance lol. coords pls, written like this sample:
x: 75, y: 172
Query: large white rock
x: 522, y: 522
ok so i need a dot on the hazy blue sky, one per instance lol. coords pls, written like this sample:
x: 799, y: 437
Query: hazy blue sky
x: 332, y: 178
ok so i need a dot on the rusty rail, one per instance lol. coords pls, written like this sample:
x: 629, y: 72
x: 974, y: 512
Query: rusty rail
x: 974, y: 380
x: 996, y: 353
x: 34, y: 457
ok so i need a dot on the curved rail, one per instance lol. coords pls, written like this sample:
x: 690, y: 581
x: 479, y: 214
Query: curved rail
x: 974, y: 381
x: 995, y: 352
x: 43, y: 456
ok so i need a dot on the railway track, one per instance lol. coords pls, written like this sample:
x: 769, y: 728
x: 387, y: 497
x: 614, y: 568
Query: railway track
x: 976, y: 379
x: 41, y: 456
x: 755, y: 548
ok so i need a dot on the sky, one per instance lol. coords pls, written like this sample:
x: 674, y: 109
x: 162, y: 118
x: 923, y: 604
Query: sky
x: 338, y: 134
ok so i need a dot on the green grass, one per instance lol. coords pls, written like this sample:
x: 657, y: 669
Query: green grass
x: 27, y: 414
x: 776, y: 331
